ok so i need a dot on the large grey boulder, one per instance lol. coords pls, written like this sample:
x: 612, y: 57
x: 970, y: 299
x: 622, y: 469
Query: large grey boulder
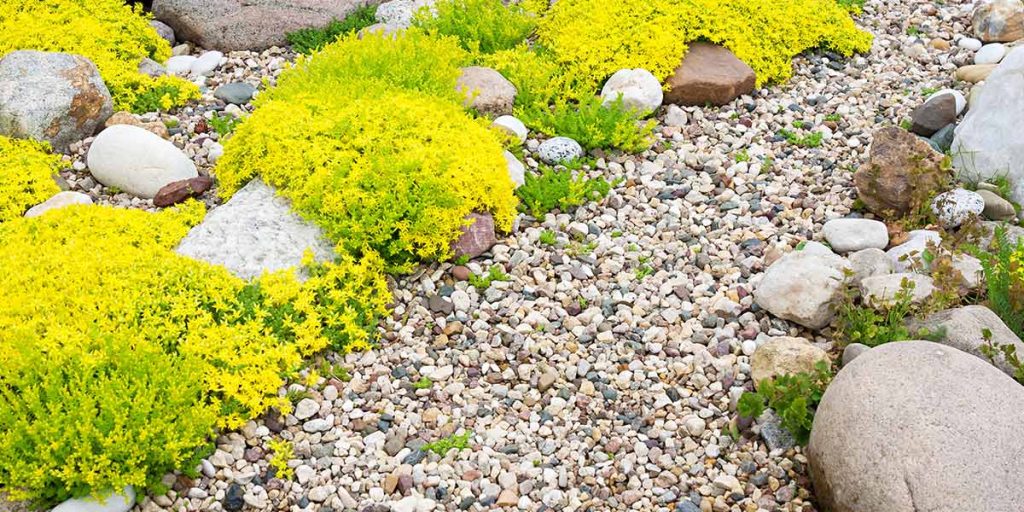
x: 229, y: 25
x: 964, y: 328
x: 913, y: 426
x: 989, y: 142
x: 802, y: 286
x: 137, y: 161
x: 254, y: 232
x: 56, y: 97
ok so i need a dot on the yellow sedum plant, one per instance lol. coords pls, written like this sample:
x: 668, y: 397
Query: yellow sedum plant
x: 368, y: 138
x: 119, y: 358
x: 592, y: 39
x: 26, y: 175
x: 114, y: 36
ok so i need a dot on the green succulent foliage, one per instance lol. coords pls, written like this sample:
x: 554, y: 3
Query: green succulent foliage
x: 483, y: 26
x: 793, y: 397
x: 593, y: 124
x: 444, y: 445
x: 495, y: 273
x: 309, y: 40
x: 559, y: 188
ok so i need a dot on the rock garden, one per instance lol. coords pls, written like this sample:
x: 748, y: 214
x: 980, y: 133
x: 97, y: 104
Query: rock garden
x: 442, y: 255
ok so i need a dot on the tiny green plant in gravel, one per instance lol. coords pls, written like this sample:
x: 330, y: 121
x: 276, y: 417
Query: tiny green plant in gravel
x: 812, y: 140
x: 223, y: 125
x: 423, y: 383
x: 561, y: 189
x: 309, y: 40
x: 793, y: 397
x: 835, y: 118
x: 294, y: 395
x: 495, y: 273
x: 446, y: 444
x: 548, y: 237
x: 281, y: 451
x: 742, y: 156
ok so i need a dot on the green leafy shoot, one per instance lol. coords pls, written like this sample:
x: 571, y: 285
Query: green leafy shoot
x: 223, y: 125
x: 793, y: 397
x: 483, y: 26
x: 446, y: 444
x: 495, y: 273
x: 559, y: 189
x: 423, y: 383
x: 309, y: 40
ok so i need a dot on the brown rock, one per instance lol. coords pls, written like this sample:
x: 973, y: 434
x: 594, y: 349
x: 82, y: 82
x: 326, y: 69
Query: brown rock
x: 486, y: 91
x: 784, y: 355
x: 974, y: 73
x: 999, y: 21
x: 461, y: 273
x: 939, y: 44
x: 913, y: 426
x: 229, y: 25
x: 934, y: 114
x: 507, y: 498
x: 709, y: 74
x: 901, y: 174
x: 174, y: 193
x: 127, y: 118
x: 477, y: 237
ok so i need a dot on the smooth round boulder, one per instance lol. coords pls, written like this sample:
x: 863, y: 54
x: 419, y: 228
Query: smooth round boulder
x: 559, y: 150
x: 914, y: 425
x: 238, y: 93
x: 638, y: 88
x: 953, y: 208
x: 55, y: 97
x: 851, y: 235
x: 991, y: 53
x: 486, y: 91
x: 137, y: 161
x: 513, y: 126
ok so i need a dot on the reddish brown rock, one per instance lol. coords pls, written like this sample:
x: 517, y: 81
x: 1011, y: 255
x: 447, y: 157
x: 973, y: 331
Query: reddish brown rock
x: 902, y: 173
x: 477, y: 237
x: 709, y: 74
x: 174, y: 193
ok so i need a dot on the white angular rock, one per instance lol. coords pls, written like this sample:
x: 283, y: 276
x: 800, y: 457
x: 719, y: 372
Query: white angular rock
x: 883, y: 291
x: 59, y: 200
x: 913, y: 426
x: 557, y: 150
x: 638, y: 88
x: 991, y: 53
x: 399, y: 13
x: 254, y: 232
x: 137, y: 161
x: 955, y: 207
x: 869, y: 262
x: 206, y: 63
x: 802, y: 287
x: 908, y: 254
x: 851, y: 235
x: 784, y: 355
x: 306, y: 408
x: 516, y: 169
x: 989, y: 142
x: 55, y: 97
x: 119, y: 502
x: 180, y: 64
x: 513, y: 126
x: 969, y: 43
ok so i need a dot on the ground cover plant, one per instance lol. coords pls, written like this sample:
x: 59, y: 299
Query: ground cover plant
x: 390, y: 161
x: 151, y: 353
x: 26, y: 175
x: 309, y: 40
x: 114, y: 36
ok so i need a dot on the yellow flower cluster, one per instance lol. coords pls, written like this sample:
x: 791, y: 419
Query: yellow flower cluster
x: 368, y: 138
x: 114, y: 36
x: 26, y: 176
x: 91, y: 288
x: 593, y: 38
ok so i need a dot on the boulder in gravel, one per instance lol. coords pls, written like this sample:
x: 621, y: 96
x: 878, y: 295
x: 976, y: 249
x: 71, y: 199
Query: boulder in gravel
x: 882, y: 291
x: 901, y: 172
x: 964, y: 329
x: 955, y: 207
x: 559, y: 150
x: 711, y: 74
x: 486, y: 91
x: 974, y: 73
x: 989, y: 142
x: 908, y: 255
x: 238, y: 93
x: 477, y: 236
x: 802, y: 286
x: 399, y: 13
x: 163, y: 30
x: 155, y: 127
x: 869, y: 262
x: 114, y: 502
x: 933, y: 115
x: 638, y: 88
x: 784, y: 355
x: 996, y: 208
x: 59, y: 200
x: 851, y: 235
x: 229, y: 25
x: 55, y: 97
x: 915, y: 425
x: 254, y: 232
x: 998, y: 20
x: 137, y: 161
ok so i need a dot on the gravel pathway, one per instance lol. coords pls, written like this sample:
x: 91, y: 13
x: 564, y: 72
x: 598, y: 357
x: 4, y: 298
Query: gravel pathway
x: 602, y: 375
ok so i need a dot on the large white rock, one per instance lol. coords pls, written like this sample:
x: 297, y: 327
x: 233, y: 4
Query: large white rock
x: 59, y: 200
x: 990, y: 142
x: 121, y: 502
x: 884, y: 290
x: 955, y: 207
x: 912, y: 426
x: 850, y: 235
x: 639, y: 89
x: 254, y: 232
x: 56, y: 97
x: 802, y: 287
x: 137, y: 161
x: 516, y: 169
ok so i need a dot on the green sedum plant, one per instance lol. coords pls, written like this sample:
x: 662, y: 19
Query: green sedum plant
x: 480, y: 25
x: 555, y: 188
x: 309, y: 40
x: 793, y: 397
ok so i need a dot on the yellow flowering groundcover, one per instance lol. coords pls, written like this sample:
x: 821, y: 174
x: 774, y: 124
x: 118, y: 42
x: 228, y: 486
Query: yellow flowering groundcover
x: 114, y: 36
x: 119, y: 358
x: 26, y: 175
